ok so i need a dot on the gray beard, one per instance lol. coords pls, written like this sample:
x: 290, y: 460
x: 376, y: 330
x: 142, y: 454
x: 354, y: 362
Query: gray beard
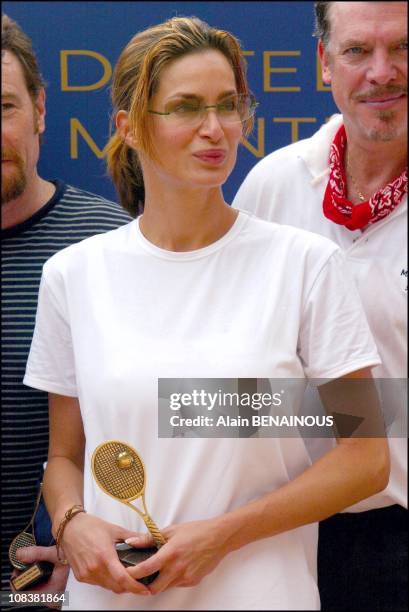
x: 388, y: 131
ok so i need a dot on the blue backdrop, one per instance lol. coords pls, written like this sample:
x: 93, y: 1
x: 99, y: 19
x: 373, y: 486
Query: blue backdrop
x: 78, y: 43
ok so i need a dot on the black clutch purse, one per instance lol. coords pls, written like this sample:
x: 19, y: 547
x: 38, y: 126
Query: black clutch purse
x: 130, y: 556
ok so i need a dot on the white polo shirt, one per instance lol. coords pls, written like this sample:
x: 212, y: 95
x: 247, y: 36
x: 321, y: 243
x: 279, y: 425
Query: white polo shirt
x: 288, y: 187
x: 116, y: 313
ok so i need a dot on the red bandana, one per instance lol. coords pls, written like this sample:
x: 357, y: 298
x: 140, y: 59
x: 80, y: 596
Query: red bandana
x: 356, y: 216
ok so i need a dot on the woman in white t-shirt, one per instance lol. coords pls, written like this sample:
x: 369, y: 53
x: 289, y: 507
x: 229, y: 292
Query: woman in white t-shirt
x: 193, y: 288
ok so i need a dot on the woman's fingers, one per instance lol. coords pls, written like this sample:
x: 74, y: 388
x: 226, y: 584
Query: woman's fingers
x: 148, y: 567
x: 191, y: 552
x: 89, y: 545
x: 141, y: 540
x: 121, y: 582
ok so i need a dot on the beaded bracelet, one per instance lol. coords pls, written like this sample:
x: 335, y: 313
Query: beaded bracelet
x: 76, y: 509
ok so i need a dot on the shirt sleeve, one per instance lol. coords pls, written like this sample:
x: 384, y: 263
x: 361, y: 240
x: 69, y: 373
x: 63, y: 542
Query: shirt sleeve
x: 51, y: 366
x: 334, y: 337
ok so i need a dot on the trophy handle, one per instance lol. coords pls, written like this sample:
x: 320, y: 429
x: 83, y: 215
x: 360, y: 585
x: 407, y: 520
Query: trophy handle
x: 156, y: 534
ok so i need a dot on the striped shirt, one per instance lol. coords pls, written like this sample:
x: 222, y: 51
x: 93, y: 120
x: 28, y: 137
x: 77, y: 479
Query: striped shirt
x: 70, y: 216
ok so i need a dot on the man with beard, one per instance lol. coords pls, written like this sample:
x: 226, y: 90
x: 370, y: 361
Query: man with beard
x: 39, y: 217
x: 348, y: 182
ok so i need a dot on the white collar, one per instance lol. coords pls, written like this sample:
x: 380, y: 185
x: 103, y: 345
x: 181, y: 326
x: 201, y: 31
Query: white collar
x: 316, y: 153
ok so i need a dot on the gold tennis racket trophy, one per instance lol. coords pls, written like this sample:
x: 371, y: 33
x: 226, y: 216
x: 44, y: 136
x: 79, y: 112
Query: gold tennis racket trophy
x: 119, y: 472
x: 33, y: 573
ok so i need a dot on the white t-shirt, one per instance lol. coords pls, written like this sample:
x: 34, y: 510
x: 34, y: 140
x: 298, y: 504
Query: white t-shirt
x: 288, y: 187
x: 116, y: 312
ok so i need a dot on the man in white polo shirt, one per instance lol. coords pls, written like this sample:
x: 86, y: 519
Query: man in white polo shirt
x: 348, y: 182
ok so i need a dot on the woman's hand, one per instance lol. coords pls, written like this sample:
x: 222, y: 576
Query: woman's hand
x: 88, y: 543
x: 191, y: 552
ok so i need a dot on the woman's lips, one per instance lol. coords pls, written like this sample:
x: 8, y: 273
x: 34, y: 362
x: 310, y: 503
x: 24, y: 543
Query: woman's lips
x: 211, y: 156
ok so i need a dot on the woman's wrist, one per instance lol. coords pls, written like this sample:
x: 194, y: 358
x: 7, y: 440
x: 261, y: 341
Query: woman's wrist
x: 228, y: 529
x: 61, y: 508
x: 68, y: 516
x: 60, y: 515
x: 243, y: 525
